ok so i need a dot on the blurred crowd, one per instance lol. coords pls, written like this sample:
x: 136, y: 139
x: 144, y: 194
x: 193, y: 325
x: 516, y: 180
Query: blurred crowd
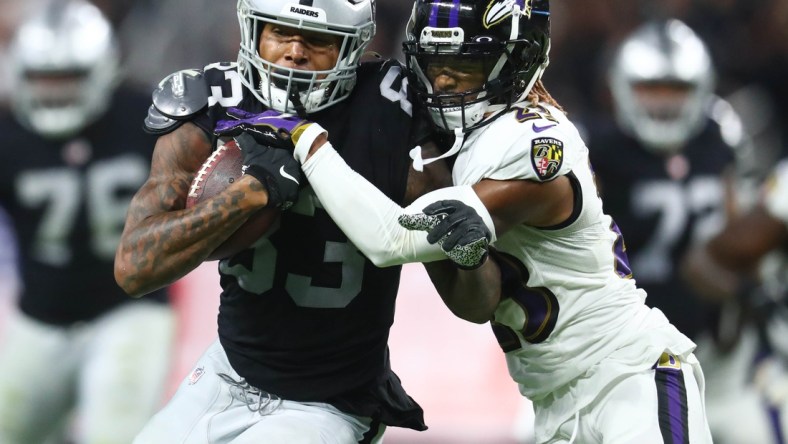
x: 748, y: 40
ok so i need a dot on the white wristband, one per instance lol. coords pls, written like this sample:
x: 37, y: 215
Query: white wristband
x: 306, y: 140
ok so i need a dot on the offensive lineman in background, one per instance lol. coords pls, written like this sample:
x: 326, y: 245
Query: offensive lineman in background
x: 666, y: 168
x: 70, y: 162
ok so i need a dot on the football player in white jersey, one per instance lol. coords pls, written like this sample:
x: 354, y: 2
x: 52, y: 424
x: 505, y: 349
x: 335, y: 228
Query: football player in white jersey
x: 598, y: 364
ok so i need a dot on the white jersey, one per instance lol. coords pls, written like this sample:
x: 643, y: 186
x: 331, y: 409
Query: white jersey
x: 572, y: 308
x: 579, y: 303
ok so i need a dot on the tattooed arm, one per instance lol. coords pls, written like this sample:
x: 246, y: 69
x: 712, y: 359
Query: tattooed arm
x: 162, y: 241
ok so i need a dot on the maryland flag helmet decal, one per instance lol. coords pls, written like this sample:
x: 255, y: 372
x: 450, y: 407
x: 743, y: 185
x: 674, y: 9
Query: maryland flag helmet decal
x: 547, y: 156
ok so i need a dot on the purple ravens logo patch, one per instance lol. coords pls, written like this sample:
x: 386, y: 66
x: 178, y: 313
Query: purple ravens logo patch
x: 547, y: 156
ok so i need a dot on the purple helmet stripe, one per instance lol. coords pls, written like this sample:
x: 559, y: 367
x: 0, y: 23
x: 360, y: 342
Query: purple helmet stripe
x: 454, y: 15
x: 434, y: 15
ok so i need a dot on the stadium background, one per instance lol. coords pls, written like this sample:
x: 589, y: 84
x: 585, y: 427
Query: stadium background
x: 453, y: 368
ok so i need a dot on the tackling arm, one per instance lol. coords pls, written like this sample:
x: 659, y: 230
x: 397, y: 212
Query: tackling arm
x: 471, y: 294
x: 162, y: 241
x: 370, y: 219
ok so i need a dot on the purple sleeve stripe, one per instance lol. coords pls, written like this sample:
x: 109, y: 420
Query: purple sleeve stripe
x: 672, y: 399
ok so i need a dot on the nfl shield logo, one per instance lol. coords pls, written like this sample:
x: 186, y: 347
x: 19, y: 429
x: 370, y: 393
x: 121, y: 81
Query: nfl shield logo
x: 196, y: 375
x: 547, y: 156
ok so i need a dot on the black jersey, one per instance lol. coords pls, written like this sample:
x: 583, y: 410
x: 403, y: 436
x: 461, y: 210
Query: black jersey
x: 305, y: 315
x: 662, y: 204
x: 67, y: 201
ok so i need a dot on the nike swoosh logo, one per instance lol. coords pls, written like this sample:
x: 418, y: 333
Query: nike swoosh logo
x: 287, y: 176
x: 539, y: 129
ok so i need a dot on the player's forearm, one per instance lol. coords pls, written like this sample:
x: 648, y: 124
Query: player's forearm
x: 158, y: 249
x: 366, y: 215
x: 472, y: 295
x: 707, y: 277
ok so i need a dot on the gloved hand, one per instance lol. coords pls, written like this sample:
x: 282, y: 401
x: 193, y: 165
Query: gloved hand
x: 457, y: 228
x: 275, y: 168
x: 269, y: 128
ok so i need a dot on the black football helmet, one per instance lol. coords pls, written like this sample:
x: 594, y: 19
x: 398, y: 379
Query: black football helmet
x: 509, y: 38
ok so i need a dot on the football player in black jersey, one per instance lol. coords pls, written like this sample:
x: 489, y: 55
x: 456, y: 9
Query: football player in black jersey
x: 304, y: 317
x: 70, y: 163
x: 666, y: 170
x: 660, y: 162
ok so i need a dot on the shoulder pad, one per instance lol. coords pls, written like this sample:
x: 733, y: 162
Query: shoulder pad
x: 181, y: 94
x: 158, y: 124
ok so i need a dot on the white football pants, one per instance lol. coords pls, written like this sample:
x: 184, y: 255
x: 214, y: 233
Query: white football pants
x: 213, y: 405
x: 109, y: 374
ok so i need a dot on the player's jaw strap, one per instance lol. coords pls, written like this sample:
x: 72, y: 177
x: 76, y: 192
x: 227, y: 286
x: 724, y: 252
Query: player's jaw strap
x: 419, y: 162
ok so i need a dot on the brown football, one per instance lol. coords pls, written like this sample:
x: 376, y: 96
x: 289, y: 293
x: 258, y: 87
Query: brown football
x: 221, y: 169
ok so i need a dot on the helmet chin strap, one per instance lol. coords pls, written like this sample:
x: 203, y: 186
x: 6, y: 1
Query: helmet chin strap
x: 295, y: 99
x: 419, y: 162
x: 516, y: 13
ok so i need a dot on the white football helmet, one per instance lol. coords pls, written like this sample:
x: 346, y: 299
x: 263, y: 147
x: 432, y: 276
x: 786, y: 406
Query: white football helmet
x: 670, y: 54
x: 292, y: 90
x: 64, y: 68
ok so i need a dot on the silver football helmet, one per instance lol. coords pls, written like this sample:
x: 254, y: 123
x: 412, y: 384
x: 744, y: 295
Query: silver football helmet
x: 668, y: 55
x: 299, y: 91
x: 64, y: 68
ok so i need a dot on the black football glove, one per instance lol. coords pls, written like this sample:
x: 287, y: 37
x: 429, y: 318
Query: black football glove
x: 269, y: 128
x: 457, y: 228
x: 275, y: 168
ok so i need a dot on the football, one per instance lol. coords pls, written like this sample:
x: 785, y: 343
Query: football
x: 221, y: 169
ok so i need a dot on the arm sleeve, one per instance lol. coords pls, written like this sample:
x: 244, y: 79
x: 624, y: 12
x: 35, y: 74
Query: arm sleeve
x: 369, y: 218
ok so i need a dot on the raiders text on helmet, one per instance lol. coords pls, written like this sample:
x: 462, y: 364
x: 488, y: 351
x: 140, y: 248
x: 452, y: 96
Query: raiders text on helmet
x: 292, y: 90
x: 509, y: 38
